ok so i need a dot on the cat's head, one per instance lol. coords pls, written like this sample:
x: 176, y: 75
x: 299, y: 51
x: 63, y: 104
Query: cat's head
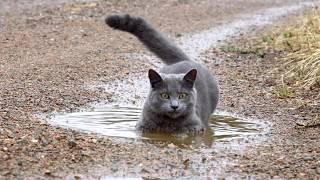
x: 172, y: 95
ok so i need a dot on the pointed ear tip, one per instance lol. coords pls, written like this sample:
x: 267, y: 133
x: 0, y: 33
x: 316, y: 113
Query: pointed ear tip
x: 151, y: 70
x: 153, y: 74
x: 193, y: 71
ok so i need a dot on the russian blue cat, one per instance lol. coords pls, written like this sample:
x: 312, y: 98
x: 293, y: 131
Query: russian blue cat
x: 183, y: 94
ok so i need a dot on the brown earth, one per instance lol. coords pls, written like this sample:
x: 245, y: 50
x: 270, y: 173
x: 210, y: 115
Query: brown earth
x: 52, y: 53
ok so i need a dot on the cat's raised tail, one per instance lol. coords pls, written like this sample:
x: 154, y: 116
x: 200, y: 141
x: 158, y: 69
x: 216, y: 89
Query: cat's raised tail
x: 150, y: 37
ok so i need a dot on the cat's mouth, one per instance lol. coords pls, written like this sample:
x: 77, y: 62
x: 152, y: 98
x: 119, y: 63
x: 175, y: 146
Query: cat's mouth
x: 174, y: 113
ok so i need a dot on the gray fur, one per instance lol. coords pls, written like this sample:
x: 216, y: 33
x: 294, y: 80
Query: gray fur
x: 180, y: 75
x: 155, y: 41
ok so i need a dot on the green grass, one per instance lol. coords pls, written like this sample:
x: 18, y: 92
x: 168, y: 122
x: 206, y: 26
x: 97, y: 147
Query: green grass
x: 240, y: 50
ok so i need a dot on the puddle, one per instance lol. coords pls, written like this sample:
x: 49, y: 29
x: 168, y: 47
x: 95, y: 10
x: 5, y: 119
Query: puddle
x: 117, y: 121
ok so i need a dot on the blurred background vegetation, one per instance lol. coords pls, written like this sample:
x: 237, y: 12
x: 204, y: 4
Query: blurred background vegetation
x: 300, y: 42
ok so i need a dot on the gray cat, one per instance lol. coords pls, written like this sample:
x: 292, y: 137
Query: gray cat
x: 183, y: 95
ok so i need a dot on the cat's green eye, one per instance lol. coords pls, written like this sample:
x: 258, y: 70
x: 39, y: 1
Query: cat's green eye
x: 183, y: 96
x: 164, y: 96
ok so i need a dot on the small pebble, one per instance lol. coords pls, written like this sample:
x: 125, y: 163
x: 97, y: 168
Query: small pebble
x: 72, y: 143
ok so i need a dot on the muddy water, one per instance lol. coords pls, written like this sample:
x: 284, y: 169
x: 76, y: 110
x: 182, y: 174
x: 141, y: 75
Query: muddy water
x: 116, y: 121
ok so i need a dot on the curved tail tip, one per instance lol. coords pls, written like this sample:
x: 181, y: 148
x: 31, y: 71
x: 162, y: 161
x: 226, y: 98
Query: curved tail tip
x: 113, y: 21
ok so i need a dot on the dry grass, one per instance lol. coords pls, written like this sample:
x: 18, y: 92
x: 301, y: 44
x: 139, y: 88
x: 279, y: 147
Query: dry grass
x: 283, y: 91
x: 301, y: 42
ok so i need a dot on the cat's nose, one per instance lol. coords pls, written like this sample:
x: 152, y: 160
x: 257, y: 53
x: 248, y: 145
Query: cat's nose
x: 174, y: 106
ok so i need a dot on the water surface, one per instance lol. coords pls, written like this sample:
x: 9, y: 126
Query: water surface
x: 116, y: 121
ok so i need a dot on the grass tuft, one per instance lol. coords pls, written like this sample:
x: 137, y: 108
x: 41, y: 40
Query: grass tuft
x: 241, y: 50
x: 301, y: 42
x: 283, y: 91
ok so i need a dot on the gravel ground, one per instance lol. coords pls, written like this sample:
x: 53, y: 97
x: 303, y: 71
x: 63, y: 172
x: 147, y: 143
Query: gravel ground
x: 53, y: 53
x: 250, y: 89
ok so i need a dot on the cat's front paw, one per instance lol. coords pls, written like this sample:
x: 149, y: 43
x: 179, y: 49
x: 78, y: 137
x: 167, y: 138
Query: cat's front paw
x: 146, y: 127
x: 194, y: 129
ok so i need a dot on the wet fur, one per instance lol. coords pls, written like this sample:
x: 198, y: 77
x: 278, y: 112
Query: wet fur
x: 203, y: 93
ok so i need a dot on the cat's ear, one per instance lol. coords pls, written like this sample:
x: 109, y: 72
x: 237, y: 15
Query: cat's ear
x: 154, y: 78
x: 190, y: 77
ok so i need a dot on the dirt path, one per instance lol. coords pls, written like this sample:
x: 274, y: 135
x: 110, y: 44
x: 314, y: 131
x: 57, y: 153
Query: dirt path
x: 52, y: 54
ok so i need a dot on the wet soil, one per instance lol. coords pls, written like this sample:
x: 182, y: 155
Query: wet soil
x: 53, y: 53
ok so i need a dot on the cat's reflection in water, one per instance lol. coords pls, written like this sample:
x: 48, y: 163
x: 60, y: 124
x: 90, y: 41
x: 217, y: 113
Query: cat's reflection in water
x: 181, y: 140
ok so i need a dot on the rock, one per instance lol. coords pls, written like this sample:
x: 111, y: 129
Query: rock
x: 186, y: 163
x: 308, y: 158
x: 72, y: 143
x: 34, y: 140
x: 171, y: 145
x: 217, y: 62
x: 178, y: 35
x: 5, y: 173
x: 47, y: 172
x: 94, y: 140
x: 78, y: 176
x: 5, y: 157
x: 9, y: 133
